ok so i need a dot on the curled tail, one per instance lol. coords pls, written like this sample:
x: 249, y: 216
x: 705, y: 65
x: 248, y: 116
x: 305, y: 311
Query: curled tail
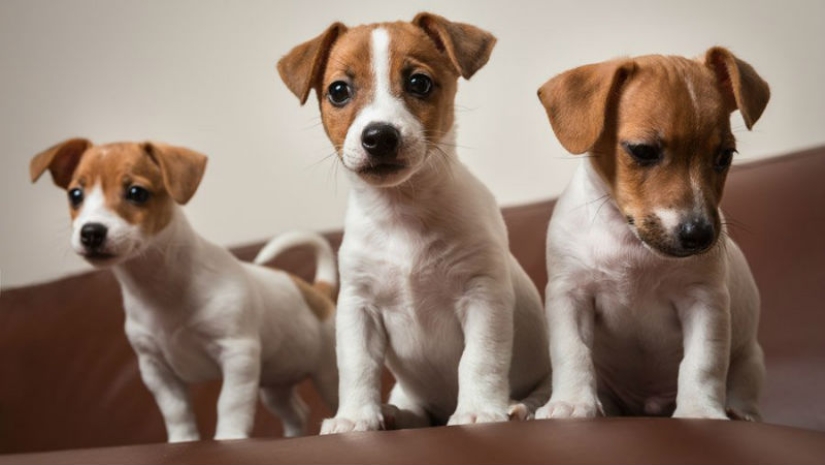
x: 326, y: 270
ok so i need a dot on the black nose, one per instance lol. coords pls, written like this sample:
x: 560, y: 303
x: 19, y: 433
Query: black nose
x: 92, y: 235
x: 696, y: 234
x: 381, y: 140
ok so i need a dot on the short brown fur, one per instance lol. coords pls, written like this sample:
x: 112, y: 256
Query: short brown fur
x: 318, y: 296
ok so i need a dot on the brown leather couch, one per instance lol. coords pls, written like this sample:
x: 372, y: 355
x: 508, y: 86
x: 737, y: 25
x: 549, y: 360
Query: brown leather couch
x: 69, y: 381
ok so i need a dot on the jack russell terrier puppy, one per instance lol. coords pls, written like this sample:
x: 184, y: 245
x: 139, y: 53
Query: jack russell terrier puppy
x: 428, y: 283
x: 193, y: 311
x: 652, y: 308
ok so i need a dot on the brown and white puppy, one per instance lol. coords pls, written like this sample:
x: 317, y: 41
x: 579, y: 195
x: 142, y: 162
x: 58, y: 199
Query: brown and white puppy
x: 652, y: 307
x: 193, y: 311
x: 428, y: 281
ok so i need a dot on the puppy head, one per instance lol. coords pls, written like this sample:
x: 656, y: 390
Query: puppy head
x: 659, y: 132
x: 386, y: 91
x: 120, y: 195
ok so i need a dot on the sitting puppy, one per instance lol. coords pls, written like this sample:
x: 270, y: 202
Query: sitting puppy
x: 652, y: 307
x: 193, y: 311
x: 427, y: 279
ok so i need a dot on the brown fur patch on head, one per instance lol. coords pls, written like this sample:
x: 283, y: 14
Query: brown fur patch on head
x: 673, y: 104
x: 349, y: 61
x: 116, y: 168
x: 318, y: 297
x: 672, y: 107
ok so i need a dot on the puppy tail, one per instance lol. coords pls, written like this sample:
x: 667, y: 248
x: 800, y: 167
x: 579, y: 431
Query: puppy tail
x: 326, y: 270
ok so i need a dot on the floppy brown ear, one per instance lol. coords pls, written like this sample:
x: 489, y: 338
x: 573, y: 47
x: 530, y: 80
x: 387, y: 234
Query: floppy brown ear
x: 577, y: 101
x: 467, y: 47
x: 302, y: 69
x: 741, y: 86
x: 61, y: 160
x: 182, y: 169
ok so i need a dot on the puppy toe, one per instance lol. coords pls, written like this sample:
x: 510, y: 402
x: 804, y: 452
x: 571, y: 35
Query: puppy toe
x: 743, y: 415
x: 699, y: 412
x: 566, y: 409
x: 519, y: 412
x: 348, y: 424
x: 477, y: 416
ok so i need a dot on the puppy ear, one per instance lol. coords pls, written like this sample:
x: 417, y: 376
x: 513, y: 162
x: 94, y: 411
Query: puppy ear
x: 741, y: 86
x: 577, y: 101
x: 182, y: 169
x: 61, y: 160
x: 467, y: 47
x: 302, y: 69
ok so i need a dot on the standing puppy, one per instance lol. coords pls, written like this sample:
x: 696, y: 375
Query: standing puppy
x: 193, y: 311
x: 427, y: 279
x: 652, y: 307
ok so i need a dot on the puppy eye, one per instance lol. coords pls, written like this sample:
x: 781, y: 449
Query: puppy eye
x: 339, y: 93
x: 724, y: 159
x: 419, y: 85
x: 644, y: 154
x: 76, y: 197
x: 137, y: 195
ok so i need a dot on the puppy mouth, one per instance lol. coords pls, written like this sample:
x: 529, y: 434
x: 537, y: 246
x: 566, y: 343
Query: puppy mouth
x: 382, y: 169
x: 98, y: 257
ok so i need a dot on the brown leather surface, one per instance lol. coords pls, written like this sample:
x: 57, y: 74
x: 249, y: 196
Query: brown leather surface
x: 605, y: 440
x: 68, y: 378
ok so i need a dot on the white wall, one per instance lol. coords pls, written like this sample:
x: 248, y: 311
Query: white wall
x: 201, y: 74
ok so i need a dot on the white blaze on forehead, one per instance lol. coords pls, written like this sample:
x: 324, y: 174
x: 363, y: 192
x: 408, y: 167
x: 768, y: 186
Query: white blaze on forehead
x: 692, y: 92
x: 381, y: 63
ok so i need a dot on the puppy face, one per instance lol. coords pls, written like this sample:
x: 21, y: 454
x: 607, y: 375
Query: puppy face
x: 664, y: 143
x: 386, y: 91
x: 119, y: 197
x: 388, y: 99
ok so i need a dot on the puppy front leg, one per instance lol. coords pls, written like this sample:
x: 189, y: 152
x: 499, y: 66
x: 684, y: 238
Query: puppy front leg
x: 171, y: 396
x: 706, y: 334
x: 570, y: 318
x: 486, y: 312
x: 241, y: 365
x: 360, y: 341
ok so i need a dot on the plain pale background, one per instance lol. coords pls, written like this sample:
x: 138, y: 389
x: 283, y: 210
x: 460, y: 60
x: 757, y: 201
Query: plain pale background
x: 202, y: 74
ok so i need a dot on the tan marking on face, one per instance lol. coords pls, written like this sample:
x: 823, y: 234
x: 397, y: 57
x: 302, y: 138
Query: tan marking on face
x: 116, y: 167
x: 411, y: 52
x: 689, y: 122
x: 349, y: 61
x: 316, y: 297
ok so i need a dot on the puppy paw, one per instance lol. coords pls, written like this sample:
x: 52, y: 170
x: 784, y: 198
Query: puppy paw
x: 230, y: 435
x: 519, y: 412
x: 743, y: 415
x: 570, y: 409
x: 700, y: 412
x: 469, y: 417
x: 187, y: 433
x: 183, y: 438
x: 364, y: 421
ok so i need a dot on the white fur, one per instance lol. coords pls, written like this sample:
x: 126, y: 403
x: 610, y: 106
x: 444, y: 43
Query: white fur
x: 633, y: 331
x: 428, y: 285
x: 669, y: 218
x: 327, y: 269
x: 195, y: 313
